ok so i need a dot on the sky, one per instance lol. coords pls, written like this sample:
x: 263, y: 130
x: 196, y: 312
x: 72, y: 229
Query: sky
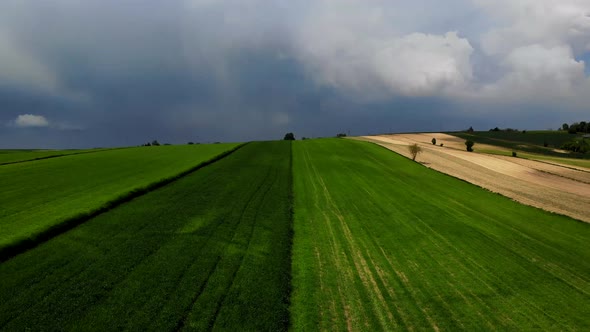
x: 97, y: 73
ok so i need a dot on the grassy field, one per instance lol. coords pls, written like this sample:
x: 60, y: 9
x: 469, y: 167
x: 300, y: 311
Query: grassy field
x: 208, y: 251
x: 16, y: 156
x: 531, y: 141
x: 37, y: 197
x: 382, y: 243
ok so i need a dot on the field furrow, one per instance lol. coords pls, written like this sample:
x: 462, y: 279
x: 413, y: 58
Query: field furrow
x: 209, y: 251
x: 383, y: 243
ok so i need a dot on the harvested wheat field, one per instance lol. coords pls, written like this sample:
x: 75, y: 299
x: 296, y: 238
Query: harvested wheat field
x: 552, y: 187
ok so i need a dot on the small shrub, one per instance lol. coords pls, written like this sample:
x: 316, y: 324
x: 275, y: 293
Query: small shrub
x: 514, y: 153
x: 469, y: 144
x: 441, y: 144
x: 289, y: 137
x: 414, y: 150
x: 433, y: 141
x: 340, y: 135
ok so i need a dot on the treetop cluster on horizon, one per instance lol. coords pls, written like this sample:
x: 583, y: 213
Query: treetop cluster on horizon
x: 576, y: 127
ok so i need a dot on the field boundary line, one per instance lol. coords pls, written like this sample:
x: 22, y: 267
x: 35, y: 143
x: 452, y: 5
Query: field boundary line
x: 67, y: 224
x: 60, y: 155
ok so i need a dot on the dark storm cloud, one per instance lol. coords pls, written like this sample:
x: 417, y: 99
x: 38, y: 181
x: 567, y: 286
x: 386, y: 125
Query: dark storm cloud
x: 107, y: 73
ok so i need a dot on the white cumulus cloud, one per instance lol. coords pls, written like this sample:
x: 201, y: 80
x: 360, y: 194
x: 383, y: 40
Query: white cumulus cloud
x: 358, y: 50
x: 536, y: 71
x: 31, y: 120
x: 421, y: 64
x: 545, y: 22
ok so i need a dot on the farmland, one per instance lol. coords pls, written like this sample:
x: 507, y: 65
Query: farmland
x: 39, y: 196
x: 208, y: 251
x: 322, y: 234
x: 16, y: 156
x: 549, y: 185
x: 531, y: 141
x: 382, y: 243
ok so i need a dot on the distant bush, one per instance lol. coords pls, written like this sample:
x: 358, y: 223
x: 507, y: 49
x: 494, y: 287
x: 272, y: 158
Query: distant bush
x: 191, y: 143
x: 433, y: 141
x: 580, y: 146
x: 469, y: 144
x: 289, y: 137
x: 441, y: 144
x: 155, y: 143
x: 340, y: 135
x: 514, y: 153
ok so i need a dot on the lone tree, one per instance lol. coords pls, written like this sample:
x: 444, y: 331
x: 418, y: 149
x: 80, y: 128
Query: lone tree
x: 414, y: 150
x: 289, y: 137
x: 433, y: 141
x: 469, y: 144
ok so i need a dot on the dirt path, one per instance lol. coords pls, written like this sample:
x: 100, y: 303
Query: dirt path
x: 552, y: 187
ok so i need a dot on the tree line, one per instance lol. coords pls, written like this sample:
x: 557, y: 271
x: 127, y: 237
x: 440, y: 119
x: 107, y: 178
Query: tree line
x: 576, y: 127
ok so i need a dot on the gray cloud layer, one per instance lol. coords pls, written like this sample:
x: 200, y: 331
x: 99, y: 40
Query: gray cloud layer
x: 123, y: 72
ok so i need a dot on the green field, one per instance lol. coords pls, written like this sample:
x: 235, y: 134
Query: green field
x: 531, y: 141
x: 382, y: 243
x: 209, y: 251
x: 41, y: 195
x: 16, y: 156
x: 323, y: 234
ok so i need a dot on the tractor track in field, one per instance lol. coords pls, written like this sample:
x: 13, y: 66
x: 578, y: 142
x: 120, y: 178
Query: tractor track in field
x: 182, y: 321
x: 550, y: 186
x: 247, y: 246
